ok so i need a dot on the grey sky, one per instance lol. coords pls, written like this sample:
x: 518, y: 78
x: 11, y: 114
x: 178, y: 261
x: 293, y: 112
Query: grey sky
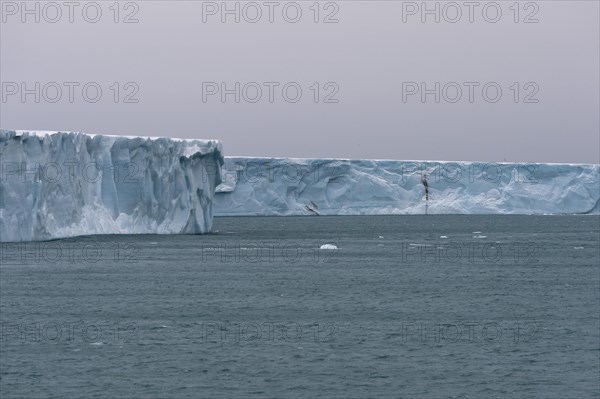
x: 367, y: 55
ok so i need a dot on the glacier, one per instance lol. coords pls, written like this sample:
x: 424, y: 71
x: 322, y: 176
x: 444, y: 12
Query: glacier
x: 280, y: 186
x: 64, y: 184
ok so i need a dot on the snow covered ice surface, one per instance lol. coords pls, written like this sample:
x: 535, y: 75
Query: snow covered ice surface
x: 56, y: 185
x: 279, y: 186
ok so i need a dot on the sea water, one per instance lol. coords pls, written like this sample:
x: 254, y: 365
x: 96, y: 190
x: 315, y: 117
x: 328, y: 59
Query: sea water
x: 292, y: 307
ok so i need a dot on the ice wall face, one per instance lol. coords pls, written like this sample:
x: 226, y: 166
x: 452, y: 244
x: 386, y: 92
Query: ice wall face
x: 277, y: 186
x: 56, y: 185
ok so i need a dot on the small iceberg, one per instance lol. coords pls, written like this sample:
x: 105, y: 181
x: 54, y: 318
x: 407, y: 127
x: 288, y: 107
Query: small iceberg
x: 328, y: 246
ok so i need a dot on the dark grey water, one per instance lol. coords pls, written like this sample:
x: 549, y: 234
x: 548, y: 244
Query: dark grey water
x: 505, y: 306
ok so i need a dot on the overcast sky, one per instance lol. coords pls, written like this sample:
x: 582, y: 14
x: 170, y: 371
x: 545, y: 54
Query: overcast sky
x: 361, y: 76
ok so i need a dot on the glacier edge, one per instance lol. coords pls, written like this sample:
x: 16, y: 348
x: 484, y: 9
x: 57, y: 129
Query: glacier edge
x: 282, y: 186
x: 59, y: 184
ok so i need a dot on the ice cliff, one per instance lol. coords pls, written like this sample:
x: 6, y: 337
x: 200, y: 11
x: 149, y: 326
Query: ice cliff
x: 55, y: 185
x: 278, y: 186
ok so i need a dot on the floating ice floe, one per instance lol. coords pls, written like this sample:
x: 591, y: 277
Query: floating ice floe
x: 328, y: 246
